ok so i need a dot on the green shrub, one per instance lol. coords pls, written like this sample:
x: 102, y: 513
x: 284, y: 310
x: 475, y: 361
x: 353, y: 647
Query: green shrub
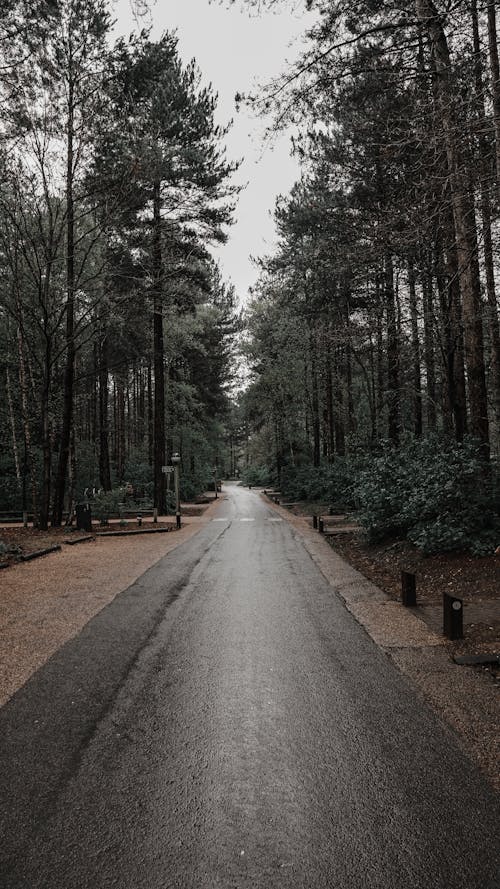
x: 107, y: 504
x: 331, y: 483
x: 437, y: 493
x: 258, y: 476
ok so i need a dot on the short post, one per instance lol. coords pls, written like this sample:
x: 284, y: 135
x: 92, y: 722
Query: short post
x: 453, y: 617
x: 155, y: 516
x: 408, y: 589
x: 139, y: 521
x: 25, y: 519
x: 315, y: 522
x: 321, y: 526
x: 215, y: 481
x: 83, y: 517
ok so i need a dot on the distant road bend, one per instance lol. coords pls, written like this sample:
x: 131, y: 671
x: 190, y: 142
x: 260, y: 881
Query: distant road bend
x: 225, y: 722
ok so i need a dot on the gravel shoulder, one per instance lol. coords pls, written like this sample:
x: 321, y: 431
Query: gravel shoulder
x: 466, y: 699
x: 46, y: 602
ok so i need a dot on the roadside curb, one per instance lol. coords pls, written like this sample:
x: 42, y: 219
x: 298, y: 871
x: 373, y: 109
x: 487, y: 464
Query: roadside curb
x: 466, y: 700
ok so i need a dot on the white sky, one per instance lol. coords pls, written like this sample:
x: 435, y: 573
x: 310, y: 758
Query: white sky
x: 234, y: 49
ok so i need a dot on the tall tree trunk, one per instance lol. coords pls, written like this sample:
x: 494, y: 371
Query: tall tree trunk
x: 458, y: 393
x: 380, y: 360
x: 393, y: 394
x: 415, y: 350
x: 315, y: 401
x: 15, y: 450
x: 489, y: 265
x: 329, y: 398
x: 464, y: 225
x: 159, y: 498
x: 72, y: 478
x: 150, y: 422
x: 43, y: 521
x: 69, y: 371
x: 120, y: 430
x: 104, y: 461
x: 339, y: 406
x: 495, y: 82
x: 23, y: 388
x: 430, y: 364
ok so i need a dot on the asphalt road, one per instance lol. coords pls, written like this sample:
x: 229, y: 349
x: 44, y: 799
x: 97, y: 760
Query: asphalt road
x: 225, y: 722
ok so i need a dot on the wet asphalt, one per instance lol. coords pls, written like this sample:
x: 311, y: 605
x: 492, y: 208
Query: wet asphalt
x: 225, y: 722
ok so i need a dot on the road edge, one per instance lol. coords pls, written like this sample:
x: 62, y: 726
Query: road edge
x: 466, y: 701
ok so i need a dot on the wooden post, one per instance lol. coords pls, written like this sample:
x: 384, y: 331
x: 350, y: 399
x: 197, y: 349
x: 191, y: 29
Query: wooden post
x: 408, y: 589
x: 453, y: 617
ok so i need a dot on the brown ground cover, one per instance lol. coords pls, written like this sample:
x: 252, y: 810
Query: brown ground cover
x: 23, y: 541
x: 476, y: 580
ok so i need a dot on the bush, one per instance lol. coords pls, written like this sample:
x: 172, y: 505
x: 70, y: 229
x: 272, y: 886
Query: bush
x: 437, y: 493
x: 107, y: 504
x: 332, y: 483
x: 258, y: 476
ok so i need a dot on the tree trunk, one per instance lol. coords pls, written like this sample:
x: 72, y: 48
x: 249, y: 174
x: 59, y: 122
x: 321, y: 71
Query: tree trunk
x: 495, y: 82
x: 489, y: 265
x: 43, y: 522
x: 159, y: 498
x: 315, y: 403
x: 120, y: 430
x: 23, y: 388
x: 15, y: 450
x: 430, y: 365
x: 393, y: 394
x: 329, y: 399
x: 69, y: 372
x: 104, y: 461
x: 415, y: 349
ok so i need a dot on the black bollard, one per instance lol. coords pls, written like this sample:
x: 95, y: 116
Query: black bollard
x: 315, y: 521
x: 83, y: 517
x: 453, y: 617
x: 320, y: 525
x: 408, y: 589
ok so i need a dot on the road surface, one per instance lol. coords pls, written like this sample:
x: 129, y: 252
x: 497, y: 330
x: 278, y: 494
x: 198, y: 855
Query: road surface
x: 225, y: 722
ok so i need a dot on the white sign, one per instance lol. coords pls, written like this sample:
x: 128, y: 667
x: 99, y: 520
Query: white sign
x: 168, y: 469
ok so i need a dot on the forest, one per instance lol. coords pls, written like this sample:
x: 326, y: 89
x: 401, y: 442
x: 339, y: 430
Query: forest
x: 370, y: 346
x: 373, y: 334
x: 116, y: 327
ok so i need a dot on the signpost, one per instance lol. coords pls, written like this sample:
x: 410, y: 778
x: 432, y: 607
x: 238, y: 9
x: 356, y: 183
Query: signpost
x: 175, y: 468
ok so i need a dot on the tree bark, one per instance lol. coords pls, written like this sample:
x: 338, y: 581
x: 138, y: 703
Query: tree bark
x: 495, y: 82
x: 430, y: 364
x: 69, y: 371
x: 393, y: 394
x: 104, y: 461
x: 485, y: 198
x: 159, y: 498
x: 415, y: 349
